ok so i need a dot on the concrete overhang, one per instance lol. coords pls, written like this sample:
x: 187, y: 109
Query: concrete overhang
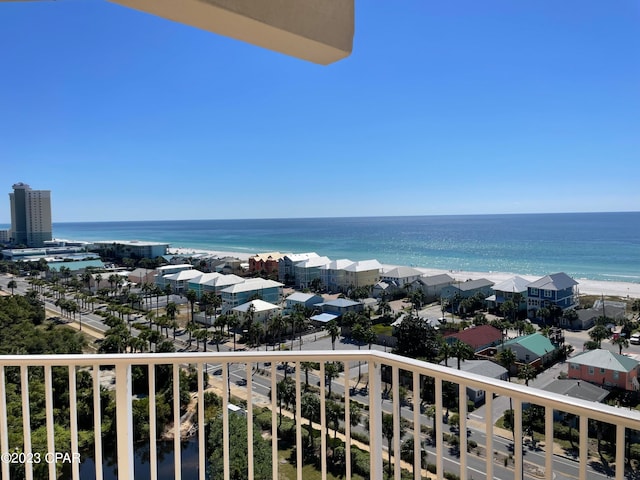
x: 320, y: 31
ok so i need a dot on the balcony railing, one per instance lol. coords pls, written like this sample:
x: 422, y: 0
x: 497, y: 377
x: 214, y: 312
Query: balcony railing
x: 382, y: 369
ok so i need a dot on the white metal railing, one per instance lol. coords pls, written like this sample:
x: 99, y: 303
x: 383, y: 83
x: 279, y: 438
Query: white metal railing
x: 374, y: 361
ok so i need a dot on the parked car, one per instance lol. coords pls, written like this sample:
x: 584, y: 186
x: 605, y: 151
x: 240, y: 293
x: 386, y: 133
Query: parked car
x: 635, y: 338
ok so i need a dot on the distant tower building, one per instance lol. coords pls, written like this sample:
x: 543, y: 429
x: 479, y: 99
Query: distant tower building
x: 30, y: 215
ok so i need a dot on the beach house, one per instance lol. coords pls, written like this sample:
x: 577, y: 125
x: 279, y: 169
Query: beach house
x: 557, y: 291
x: 485, y: 368
x: 432, y: 285
x: 399, y: 277
x: 605, y: 368
x: 304, y: 300
x: 333, y: 274
x: 286, y: 264
x: 307, y: 272
x: 251, y: 289
x: 365, y: 273
x: 513, y: 289
x: 534, y: 349
x: 265, y: 263
x: 468, y: 289
x: 213, y: 283
x: 479, y: 338
x: 260, y: 310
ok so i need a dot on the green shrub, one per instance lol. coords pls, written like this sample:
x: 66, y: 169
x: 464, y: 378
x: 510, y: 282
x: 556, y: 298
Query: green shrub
x: 361, y: 437
x: 634, y: 451
x: 360, y: 462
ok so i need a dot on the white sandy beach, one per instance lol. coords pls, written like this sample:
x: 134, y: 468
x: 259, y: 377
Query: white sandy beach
x: 585, y: 286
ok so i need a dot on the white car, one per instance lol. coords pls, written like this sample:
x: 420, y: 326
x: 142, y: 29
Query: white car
x: 635, y: 338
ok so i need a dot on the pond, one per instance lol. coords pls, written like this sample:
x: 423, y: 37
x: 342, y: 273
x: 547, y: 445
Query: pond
x: 189, y: 458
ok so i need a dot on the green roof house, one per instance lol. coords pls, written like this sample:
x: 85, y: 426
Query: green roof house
x: 533, y: 349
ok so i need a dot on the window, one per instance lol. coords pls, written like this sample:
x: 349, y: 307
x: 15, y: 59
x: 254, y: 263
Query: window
x: 602, y: 370
x: 548, y: 293
x: 534, y: 292
x: 591, y: 370
x: 616, y: 375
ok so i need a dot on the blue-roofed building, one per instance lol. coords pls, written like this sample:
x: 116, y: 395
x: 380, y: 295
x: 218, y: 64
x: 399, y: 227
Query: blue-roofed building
x: 306, y: 300
x: 340, y: 306
x: 322, y: 319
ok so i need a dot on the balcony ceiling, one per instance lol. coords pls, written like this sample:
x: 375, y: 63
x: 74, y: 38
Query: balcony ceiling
x: 320, y: 31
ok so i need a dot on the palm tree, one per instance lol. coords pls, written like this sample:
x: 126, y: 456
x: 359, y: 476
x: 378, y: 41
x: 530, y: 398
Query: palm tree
x: 112, y: 280
x: 191, y: 297
x: 599, y: 333
x: 146, y: 289
x: 276, y: 325
x: 86, y: 278
x: 249, y: 316
x: 334, y: 412
x: 445, y: 351
x: 12, y: 284
x: 168, y: 290
x: 507, y: 358
x: 310, y: 408
x: 233, y: 322
x: 158, y: 292
x: 331, y: 371
x: 334, y: 331
x: 621, y: 342
x: 171, y: 309
x: 461, y: 351
x: 286, y: 391
x: 545, y: 314
x: 296, y: 318
x: 388, y: 431
x: 306, y: 367
x: 527, y: 373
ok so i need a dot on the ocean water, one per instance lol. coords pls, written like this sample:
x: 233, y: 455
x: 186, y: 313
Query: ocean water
x: 599, y: 246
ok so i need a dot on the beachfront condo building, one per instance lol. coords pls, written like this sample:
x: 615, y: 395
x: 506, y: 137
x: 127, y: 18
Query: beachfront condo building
x: 30, y: 216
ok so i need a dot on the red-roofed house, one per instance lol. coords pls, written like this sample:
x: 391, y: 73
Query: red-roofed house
x: 478, y: 338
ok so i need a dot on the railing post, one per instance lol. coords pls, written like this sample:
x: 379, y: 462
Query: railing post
x: 4, y: 431
x: 462, y: 428
x: 124, y: 421
x: 375, y: 421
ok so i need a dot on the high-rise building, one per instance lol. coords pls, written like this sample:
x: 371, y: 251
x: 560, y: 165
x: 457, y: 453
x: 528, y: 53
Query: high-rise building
x: 30, y: 215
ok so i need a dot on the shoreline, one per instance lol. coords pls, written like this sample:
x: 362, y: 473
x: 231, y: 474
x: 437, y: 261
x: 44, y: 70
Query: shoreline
x: 624, y: 290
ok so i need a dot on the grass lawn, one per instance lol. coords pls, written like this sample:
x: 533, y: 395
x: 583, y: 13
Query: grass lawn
x: 381, y: 329
x: 286, y: 471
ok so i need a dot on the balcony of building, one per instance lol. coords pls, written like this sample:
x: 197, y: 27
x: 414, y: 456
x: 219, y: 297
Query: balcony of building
x: 387, y: 387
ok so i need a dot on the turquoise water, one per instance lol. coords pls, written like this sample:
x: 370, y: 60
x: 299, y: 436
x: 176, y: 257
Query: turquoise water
x: 599, y: 246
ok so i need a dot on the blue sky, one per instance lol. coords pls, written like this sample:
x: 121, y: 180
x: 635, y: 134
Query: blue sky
x: 456, y: 107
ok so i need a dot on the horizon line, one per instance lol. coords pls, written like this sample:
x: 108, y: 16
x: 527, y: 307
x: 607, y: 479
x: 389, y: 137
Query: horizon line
x: 348, y: 217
